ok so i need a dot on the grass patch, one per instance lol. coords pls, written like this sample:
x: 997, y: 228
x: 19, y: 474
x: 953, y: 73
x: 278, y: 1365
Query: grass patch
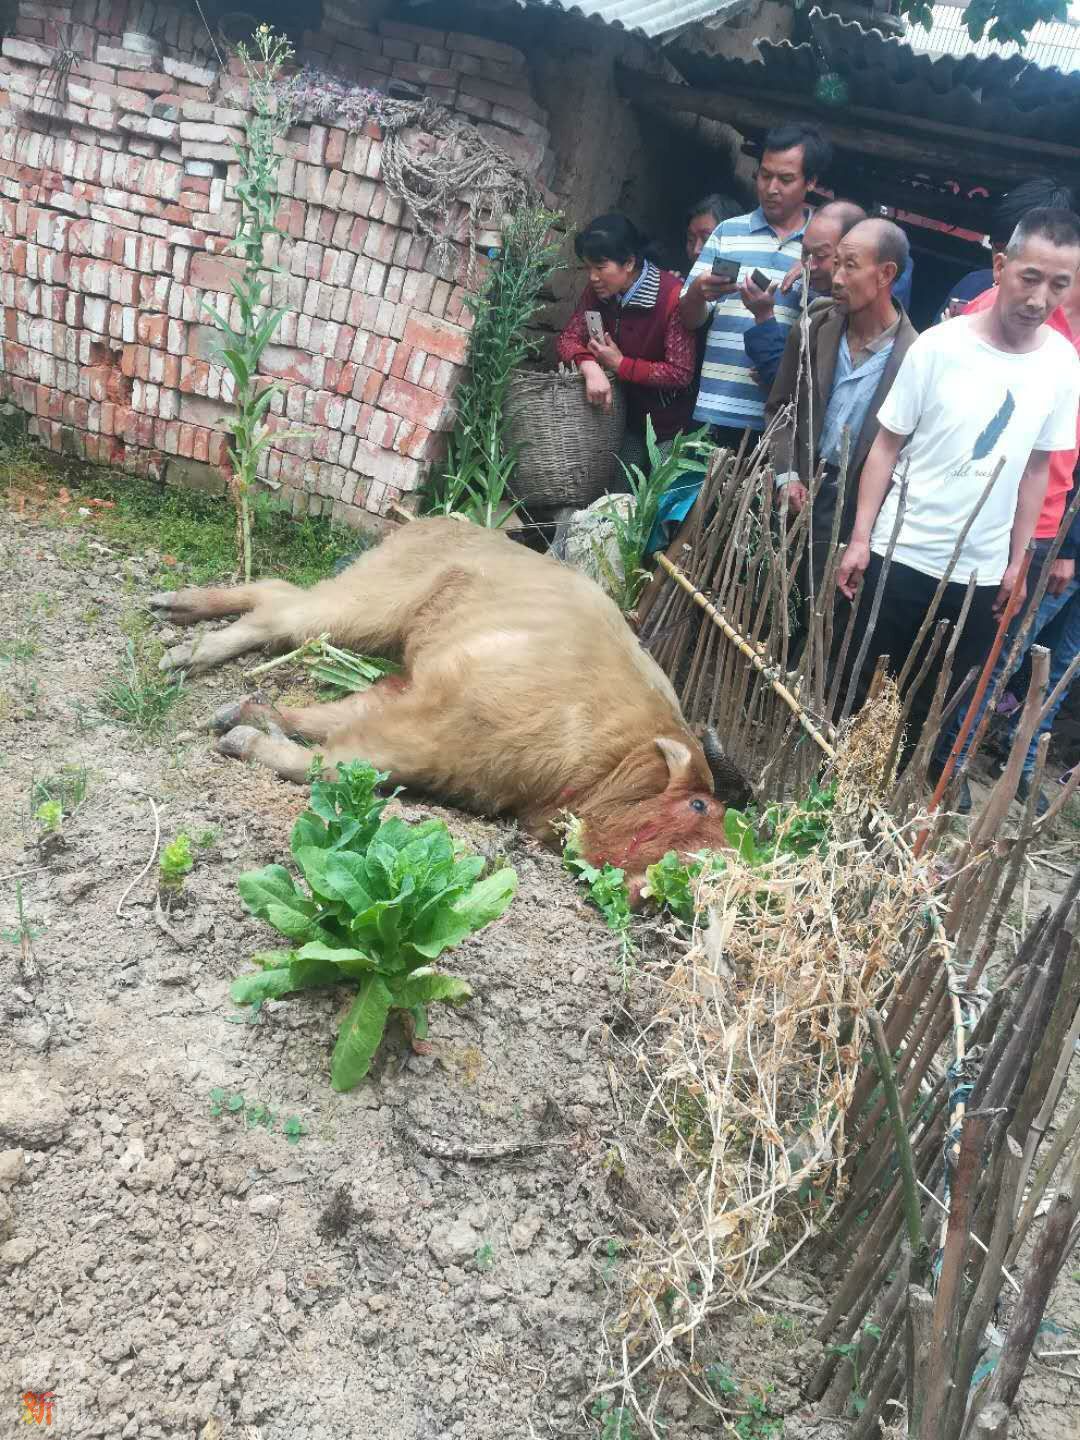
x: 195, y: 533
x: 138, y: 696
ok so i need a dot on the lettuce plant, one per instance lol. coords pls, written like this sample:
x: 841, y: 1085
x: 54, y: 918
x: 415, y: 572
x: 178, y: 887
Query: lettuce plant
x: 382, y: 901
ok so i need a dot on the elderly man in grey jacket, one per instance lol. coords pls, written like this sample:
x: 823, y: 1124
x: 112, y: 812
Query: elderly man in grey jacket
x: 855, y: 344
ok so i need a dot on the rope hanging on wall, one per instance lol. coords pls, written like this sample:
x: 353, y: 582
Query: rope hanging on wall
x: 433, y: 161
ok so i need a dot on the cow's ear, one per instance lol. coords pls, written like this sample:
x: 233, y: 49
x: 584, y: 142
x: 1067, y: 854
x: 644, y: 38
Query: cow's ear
x: 680, y: 760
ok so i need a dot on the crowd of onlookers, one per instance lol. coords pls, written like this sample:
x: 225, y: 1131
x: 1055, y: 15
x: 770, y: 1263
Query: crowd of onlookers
x: 959, y: 445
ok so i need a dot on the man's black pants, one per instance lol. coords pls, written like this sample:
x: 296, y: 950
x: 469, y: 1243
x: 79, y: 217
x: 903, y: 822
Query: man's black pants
x: 905, y: 600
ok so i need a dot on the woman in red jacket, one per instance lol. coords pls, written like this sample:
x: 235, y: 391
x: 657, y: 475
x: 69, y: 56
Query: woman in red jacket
x: 645, y: 344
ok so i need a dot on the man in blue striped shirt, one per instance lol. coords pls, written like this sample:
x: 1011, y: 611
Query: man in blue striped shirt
x: 768, y: 239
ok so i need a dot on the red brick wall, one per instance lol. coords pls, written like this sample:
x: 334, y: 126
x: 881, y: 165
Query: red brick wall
x: 115, y: 211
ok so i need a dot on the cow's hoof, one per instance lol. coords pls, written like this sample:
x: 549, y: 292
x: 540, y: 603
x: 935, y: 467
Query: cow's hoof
x: 180, y: 657
x: 226, y: 717
x: 180, y: 607
x: 239, y: 742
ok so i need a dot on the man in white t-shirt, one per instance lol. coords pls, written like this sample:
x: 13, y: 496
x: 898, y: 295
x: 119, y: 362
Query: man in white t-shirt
x: 995, y: 388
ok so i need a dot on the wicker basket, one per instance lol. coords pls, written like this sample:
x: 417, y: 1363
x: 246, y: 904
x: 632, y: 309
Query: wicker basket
x: 566, y: 447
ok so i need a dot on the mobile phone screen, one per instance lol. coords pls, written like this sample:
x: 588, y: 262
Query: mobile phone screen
x: 725, y: 269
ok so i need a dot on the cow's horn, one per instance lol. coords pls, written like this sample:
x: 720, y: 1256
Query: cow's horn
x: 729, y: 782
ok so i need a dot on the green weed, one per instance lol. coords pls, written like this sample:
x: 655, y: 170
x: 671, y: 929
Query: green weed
x: 176, y: 863
x: 616, y: 1421
x: 50, y: 815
x: 688, y: 453
x: 254, y: 1114
x: 608, y: 891
x: 67, y: 788
x: 138, y: 696
x: 26, y: 929
x: 479, y: 468
x: 485, y: 1256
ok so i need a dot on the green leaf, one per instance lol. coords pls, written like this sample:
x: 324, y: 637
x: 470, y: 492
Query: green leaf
x: 352, y: 962
x: 360, y: 1034
x: 272, y: 894
x: 347, y: 876
x: 272, y: 959
x: 740, y: 835
x: 263, y: 985
x: 416, y: 990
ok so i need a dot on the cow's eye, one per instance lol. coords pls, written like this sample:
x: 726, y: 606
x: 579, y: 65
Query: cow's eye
x: 700, y: 806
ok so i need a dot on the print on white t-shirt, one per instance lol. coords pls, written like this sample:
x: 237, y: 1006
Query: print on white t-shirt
x: 965, y: 407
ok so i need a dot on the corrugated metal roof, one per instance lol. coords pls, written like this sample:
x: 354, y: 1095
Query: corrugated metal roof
x: 991, y: 94
x: 652, y: 18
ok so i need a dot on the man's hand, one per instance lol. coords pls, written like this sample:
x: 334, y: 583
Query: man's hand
x: 597, y: 385
x: 954, y: 308
x: 853, y: 564
x: 710, y: 287
x: 1062, y: 574
x: 793, y: 276
x: 1009, y: 583
x: 607, y: 354
x: 760, y: 303
x: 797, y: 495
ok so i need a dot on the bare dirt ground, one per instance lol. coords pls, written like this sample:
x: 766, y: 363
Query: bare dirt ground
x: 168, y: 1272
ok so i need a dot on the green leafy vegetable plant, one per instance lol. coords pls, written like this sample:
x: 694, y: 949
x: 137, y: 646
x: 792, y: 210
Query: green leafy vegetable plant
x: 796, y: 829
x: 607, y: 890
x: 383, y: 900
x: 50, y: 816
x: 177, y: 862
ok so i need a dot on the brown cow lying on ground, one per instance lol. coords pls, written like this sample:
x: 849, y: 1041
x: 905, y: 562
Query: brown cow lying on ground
x: 523, y: 692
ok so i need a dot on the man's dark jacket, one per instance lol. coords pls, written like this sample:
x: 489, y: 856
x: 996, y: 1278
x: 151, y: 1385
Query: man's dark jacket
x: 827, y: 321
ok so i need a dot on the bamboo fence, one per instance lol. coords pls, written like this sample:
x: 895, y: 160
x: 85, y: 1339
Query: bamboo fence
x: 933, y: 1174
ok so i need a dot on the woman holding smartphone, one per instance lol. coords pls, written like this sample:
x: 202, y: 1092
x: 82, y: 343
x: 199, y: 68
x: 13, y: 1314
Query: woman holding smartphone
x: 627, y: 325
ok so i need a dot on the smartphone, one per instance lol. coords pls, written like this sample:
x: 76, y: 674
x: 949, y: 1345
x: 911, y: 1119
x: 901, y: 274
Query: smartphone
x: 595, y: 326
x: 725, y: 270
x: 760, y: 279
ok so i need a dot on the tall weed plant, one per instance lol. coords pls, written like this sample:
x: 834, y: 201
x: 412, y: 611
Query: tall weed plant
x: 685, y: 454
x: 243, y: 345
x: 479, y: 468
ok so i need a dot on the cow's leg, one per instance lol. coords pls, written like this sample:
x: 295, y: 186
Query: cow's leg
x: 390, y: 726
x: 215, y: 602
x: 307, y: 722
x: 269, y: 609
x: 291, y: 761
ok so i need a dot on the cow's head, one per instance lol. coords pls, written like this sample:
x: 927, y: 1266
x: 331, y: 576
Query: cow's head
x: 639, y: 826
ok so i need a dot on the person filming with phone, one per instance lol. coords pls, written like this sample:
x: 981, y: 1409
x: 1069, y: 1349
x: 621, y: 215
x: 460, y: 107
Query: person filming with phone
x: 767, y: 240
x: 627, y: 326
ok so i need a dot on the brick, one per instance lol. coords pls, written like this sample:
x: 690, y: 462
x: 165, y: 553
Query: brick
x: 124, y: 59
x: 425, y: 75
x: 211, y: 134
x: 413, y: 403
x: 418, y: 34
x: 152, y: 81
x: 335, y: 148
x: 200, y: 150
x: 485, y: 49
x: 473, y: 105
x: 190, y: 74
x: 528, y: 153
x: 214, y: 272
x: 437, y: 337
x: 28, y: 52
x: 517, y: 99
x: 514, y: 120
x: 284, y: 363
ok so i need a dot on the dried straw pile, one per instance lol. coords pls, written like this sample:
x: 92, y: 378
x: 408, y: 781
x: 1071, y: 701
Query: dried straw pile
x: 750, y: 1060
